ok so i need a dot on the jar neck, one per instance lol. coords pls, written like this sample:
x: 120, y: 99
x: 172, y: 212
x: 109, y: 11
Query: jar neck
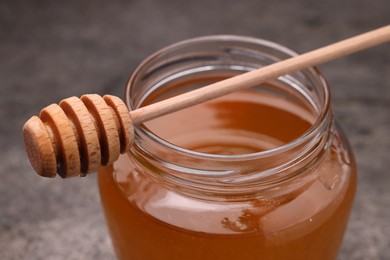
x: 259, y: 173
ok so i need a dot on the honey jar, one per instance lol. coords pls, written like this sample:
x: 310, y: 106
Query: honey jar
x: 262, y: 173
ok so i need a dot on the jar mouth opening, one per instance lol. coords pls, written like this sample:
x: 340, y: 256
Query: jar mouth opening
x: 315, y: 128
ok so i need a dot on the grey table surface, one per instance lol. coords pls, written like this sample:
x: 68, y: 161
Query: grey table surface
x: 50, y: 50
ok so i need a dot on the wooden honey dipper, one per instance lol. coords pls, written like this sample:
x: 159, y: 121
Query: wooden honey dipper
x: 79, y: 135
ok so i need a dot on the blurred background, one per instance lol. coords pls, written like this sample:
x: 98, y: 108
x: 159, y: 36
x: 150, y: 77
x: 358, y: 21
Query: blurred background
x: 50, y: 50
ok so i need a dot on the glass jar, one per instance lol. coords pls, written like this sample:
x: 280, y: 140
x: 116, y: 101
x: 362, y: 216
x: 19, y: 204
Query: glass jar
x: 262, y: 173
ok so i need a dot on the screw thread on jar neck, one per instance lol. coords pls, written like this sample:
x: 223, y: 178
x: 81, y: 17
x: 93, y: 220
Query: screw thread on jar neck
x: 216, y: 57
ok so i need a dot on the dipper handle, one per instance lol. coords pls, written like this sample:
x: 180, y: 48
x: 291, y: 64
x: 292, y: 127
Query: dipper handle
x: 78, y: 135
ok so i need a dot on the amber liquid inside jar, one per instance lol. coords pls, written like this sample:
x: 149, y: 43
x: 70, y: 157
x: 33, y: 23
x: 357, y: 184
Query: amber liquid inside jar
x: 262, y: 173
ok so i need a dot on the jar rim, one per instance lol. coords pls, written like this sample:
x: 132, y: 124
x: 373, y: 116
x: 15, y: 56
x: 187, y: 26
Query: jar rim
x: 315, y: 128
